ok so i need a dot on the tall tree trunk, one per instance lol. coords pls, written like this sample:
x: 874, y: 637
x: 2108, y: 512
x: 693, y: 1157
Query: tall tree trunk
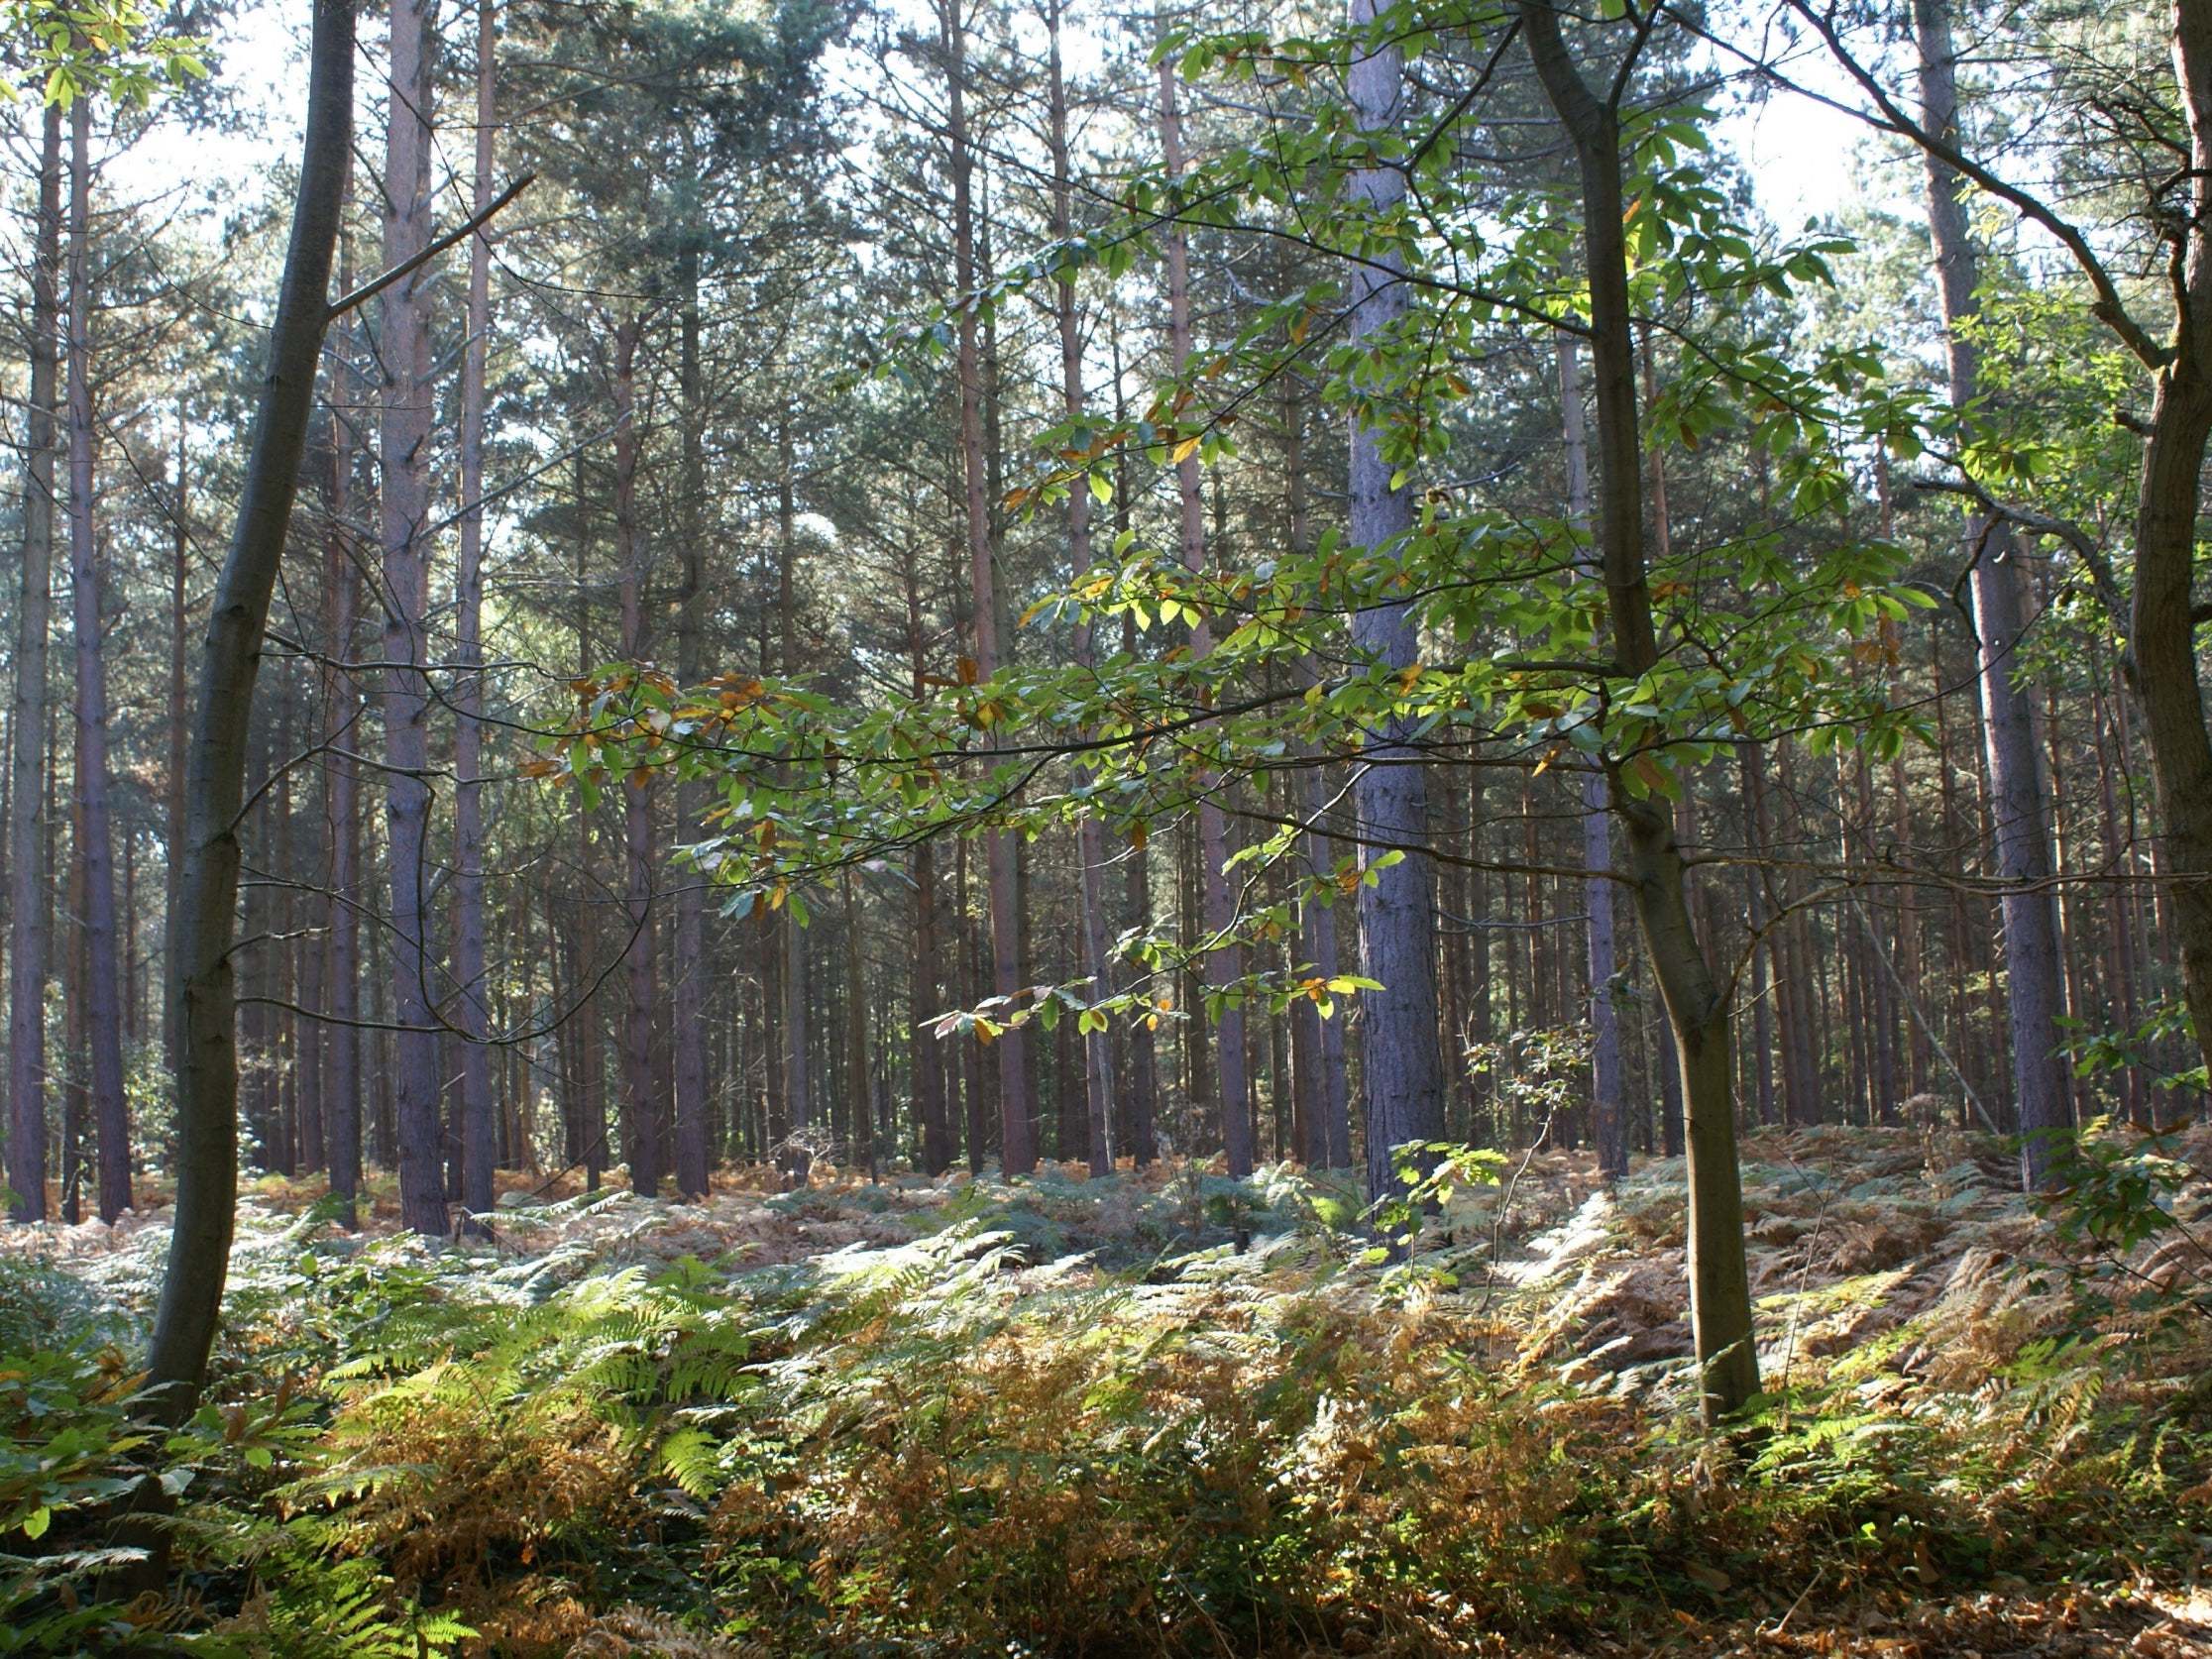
x: 405, y: 441
x: 2163, y: 625
x: 1016, y: 1141
x: 2019, y: 788
x: 1090, y: 835
x: 926, y: 1052
x: 1696, y: 1002
x: 640, y: 1113
x: 692, y: 1105
x: 798, y: 1074
x: 1608, y: 1120
x: 27, y: 933
x: 1224, y: 959
x: 341, y: 732
x: 1398, y: 1071
x: 471, y: 989
x: 202, y: 927
x: 95, y: 845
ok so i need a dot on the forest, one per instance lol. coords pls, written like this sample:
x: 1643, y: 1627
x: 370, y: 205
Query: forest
x: 956, y: 827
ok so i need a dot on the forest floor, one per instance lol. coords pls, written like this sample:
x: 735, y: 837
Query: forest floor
x: 1160, y: 1413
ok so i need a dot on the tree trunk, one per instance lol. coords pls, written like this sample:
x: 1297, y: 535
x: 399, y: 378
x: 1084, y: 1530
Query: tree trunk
x: 1696, y: 1005
x: 2018, y: 792
x: 1090, y: 835
x: 1224, y: 959
x: 1398, y: 1071
x: 404, y: 440
x: 1017, y: 1142
x: 641, y: 1115
x: 27, y: 933
x: 340, y: 732
x: 471, y: 989
x: 1607, y: 1121
x: 96, y: 845
x: 203, y: 929
x: 692, y: 1105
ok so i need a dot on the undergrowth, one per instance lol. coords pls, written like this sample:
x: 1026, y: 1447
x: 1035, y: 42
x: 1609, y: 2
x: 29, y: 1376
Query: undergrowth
x: 1167, y: 1416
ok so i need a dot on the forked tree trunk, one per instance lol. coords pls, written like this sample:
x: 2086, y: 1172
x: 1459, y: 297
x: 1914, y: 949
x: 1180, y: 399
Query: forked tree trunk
x: 404, y: 440
x: 1696, y: 1002
x: 203, y: 929
x: 2019, y: 793
x: 95, y: 846
x: 1400, y: 1073
x: 28, y: 933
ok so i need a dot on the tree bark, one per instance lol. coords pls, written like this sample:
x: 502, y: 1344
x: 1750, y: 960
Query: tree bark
x: 28, y: 933
x: 471, y: 990
x: 2019, y: 786
x: 95, y: 845
x: 1016, y: 1141
x: 640, y: 1111
x: 404, y: 440
x: 203, y: 929
x: 1609, y: 1124
x: 692, y: 1105
x: 1696, y: 1002
x: 1090, y: 835
x: 1399, y: 1071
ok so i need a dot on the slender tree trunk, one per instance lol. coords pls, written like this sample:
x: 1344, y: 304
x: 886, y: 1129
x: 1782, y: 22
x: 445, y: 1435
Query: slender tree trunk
x: 691, y: 1103
x: 1399, y: 1071
x: 27, y: 933
x: 100, y: 973
x: 203, y: 929
x: 1017, y: 1142
x: 340, y: 732
x: 2019, y: 789
x: 1607, y: 1119
x: 1696, y: 1002
x: 471, y: 989
x: 641, y: 1116
x: 405, y: 441
x: 1224, y: 959
x: 1090, y: 835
